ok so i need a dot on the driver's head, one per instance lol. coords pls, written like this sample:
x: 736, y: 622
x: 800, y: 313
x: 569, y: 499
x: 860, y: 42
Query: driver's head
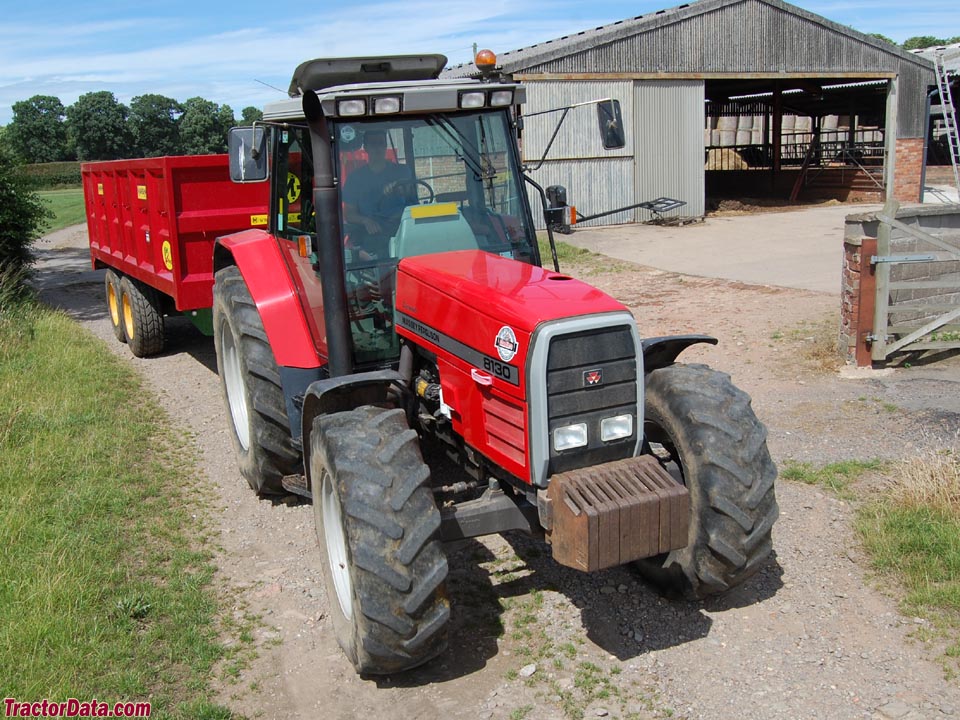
x: 375, y: 143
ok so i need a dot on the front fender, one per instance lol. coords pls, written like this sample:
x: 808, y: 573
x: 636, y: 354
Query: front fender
x: 343, y: 393
x: 659, y: 352
x: 258, y: 256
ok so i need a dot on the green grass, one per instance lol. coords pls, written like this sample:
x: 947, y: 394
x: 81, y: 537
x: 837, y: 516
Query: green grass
x: 912, y: 534
x: 105, y: 582
x: 835, y: 477
x: 579, y: 261
x: 67, y: 207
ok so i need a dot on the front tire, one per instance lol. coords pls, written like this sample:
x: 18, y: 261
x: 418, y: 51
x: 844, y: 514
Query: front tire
x: 700, y: 424
x: 377, y: 526
x: 252, y: 391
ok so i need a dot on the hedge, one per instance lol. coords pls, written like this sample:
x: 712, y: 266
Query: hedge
x: 48, y: 176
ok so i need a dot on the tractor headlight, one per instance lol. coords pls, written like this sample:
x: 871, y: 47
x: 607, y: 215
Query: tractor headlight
x: 472, y: 100
x: 352, y: 107
x: 570, y: 436
x: 615, y: 428
x: 499, y: 98
x: 386, y: 105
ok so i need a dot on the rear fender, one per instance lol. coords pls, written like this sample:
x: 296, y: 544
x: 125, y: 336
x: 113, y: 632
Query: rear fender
x: 257, y: 256
x: 343, y: 393
x: 659, y: 352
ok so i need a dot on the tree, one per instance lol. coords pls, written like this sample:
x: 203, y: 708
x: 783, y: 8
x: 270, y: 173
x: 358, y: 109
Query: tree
x: 37, y: 132
x: 22, y: 217
x: 203, y: 127
x: 98, y: 126
x: 250, y: 114
x: 153, y: 125
x: 918, y: 42
x: 882, y: 37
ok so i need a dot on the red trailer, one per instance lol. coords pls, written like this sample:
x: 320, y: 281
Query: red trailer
x: 152, y: 223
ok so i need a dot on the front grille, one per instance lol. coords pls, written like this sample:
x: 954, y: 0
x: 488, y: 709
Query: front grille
x: 591, y: 375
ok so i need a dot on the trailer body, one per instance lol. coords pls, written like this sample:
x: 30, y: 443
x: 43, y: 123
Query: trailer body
x: 156, y: 220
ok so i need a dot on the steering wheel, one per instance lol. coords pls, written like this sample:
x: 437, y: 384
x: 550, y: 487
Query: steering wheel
x: 431, y: 194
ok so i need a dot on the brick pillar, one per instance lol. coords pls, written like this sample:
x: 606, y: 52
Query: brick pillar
x: 850, y: 299
x: 909, y: 164
x: 857, y: 300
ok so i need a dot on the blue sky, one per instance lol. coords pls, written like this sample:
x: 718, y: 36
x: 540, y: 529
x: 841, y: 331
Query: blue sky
x: 219, y: 50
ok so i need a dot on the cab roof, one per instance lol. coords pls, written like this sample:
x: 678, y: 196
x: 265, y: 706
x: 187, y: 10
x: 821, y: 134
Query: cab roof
x: 323, y: 73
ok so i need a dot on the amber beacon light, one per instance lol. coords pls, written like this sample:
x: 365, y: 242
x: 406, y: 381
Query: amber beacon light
x: 486, y: 61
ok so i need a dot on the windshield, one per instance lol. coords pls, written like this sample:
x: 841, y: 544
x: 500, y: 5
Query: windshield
x: 418, y: 185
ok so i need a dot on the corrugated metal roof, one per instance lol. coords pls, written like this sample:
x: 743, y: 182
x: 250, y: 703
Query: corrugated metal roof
x: 951, y: 56
x: 541, y: 54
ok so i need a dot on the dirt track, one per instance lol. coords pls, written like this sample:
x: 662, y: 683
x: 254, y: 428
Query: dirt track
x: 809, y: 637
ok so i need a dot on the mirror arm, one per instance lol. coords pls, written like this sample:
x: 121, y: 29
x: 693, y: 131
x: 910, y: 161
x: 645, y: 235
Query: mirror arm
x: 553, y: 137
x: 543, y: 200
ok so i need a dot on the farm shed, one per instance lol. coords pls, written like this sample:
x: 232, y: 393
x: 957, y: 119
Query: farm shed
x: 725, y: 98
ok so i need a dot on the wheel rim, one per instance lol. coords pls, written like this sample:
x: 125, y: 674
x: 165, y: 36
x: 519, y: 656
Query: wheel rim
x: 663, y: 448
x: 236, y: 388
x: 336, y: 540
x: 113, y: 304
x: 127, y: 316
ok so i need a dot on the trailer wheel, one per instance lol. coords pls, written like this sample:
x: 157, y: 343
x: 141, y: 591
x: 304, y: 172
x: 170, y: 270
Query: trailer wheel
x: 142, y: 316
x: 701, y: 425
x: 112, y: 287
x: 251, y: 387
x: 377, y: 526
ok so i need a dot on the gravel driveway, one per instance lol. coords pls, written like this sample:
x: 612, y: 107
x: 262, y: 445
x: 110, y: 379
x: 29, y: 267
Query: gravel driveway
x: 810, y: 637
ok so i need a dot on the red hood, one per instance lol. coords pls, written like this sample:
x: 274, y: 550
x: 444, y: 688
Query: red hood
x: 513, y: 292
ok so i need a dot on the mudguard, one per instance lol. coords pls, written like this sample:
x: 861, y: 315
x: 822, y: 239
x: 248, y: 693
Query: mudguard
x: 659, y: 352
x: 343, y: 393
x: 258, y: 257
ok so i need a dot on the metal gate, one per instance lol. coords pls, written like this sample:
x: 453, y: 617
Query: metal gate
x: 917, y: 293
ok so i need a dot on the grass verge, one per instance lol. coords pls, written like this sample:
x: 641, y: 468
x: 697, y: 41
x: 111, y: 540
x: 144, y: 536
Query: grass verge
x: 836, y: 477
x: 578, y: 261
x: 67, y: 207
x: 913, y: 536
x: 105, y: 579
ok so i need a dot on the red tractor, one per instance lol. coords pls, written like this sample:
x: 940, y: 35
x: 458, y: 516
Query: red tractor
x: 395, y: 299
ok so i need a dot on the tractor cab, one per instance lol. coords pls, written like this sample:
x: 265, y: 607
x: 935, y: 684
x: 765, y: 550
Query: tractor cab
x: 403, y: 163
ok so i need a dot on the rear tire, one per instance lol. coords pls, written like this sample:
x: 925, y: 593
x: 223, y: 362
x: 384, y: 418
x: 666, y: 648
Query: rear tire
x: 256, y: 405
x: 112, y: 291
x: 702, y: 425
x: 377, y: 525
x: 142, y: 315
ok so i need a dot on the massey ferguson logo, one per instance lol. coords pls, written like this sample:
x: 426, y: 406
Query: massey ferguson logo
x: 506, y: 343
x: 592, y: 377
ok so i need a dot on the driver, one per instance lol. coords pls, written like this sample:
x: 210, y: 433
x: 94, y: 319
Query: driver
x: 375, y: 194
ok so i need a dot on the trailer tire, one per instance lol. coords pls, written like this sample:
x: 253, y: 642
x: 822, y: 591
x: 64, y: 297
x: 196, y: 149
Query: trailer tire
x: 698, y: 419
x: 142, y: 314
x: 252, y: 390
x: 112, y: 291
x: 377, y: 526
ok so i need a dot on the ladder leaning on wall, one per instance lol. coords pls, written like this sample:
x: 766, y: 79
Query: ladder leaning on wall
x: 949, y: 114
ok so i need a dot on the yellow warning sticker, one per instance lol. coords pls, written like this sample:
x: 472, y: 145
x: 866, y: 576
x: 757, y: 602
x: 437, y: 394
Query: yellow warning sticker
x: 294, y: 218
x: 142, y: 192
x: 167, y: 252
x: 258, y: 220
x: 99, y: 188
x: 293, y: 188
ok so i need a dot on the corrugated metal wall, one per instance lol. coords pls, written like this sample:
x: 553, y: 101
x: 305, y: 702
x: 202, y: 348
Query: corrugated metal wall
x: 596, y: 179
x: 667, y: 128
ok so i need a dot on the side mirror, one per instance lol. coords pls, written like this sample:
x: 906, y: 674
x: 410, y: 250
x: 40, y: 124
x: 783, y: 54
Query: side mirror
x: 247, y: 148
x: 611, y: 125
